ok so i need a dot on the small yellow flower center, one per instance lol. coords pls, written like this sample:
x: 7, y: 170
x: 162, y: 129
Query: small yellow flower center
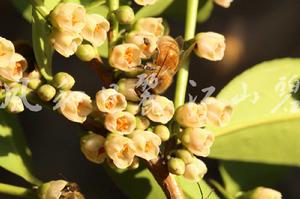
x: 110, y: 102
x: 83, y: 109
x: 122, y: 123
x: 123, y: 153
x: 98, y: 28
x: 129, y: 55
x: 149, y: 145
x: 17, y: 69
x: 75, y: 20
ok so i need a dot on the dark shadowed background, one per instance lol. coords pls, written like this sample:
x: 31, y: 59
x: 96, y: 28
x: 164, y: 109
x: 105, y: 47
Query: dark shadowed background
x: 255, y: 30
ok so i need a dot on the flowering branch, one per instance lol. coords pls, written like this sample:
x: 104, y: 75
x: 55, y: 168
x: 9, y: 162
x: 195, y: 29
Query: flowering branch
x: 183, y: 73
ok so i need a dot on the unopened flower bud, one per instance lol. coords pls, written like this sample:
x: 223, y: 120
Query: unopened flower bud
x: 86, y: 52
x: 7, y: 50
x: 142, y: 123
x: 121, y: 122
x: 65, y: 43
x: 218, y: 112
x: 150, y: 24
x: 92, y: 146
x: 195, y: 170
x: 58, y: 189
x: 63, y: 81
x: 162, y: 131
x: 210, y: 45
x: 146, y: 144
x: 120, y: 149
x: 197, y: 140
x: 145, y: 2
x: 125, y: 57
x: 191, y: 115
x: 46, y: 92
x: 15, y: 105
x: 224, y: 3
x: 135, y: 164
x: 146, y: 41
x: 158, y: 109
x: 132, y: 108
x: 75, y: 105
x: 95, y: 30
x: 127, y: 88
x: 263, y: 193
x: 110, y: 101
x: 34, y: 79
x: 125, y: 15
x: 176, y: 166
x: 185, y: 155
x: 68, y: 17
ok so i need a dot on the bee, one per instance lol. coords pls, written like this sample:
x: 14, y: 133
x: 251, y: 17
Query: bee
x: 71, y: 191
x: 166, y: 63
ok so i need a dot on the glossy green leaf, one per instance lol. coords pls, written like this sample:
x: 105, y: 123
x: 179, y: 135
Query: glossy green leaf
x: 141, y: 184
x: 14, y: 154
x: 205, y: 10
x: 236, y: 179
x: 266, y: 119
x: 153, y: 10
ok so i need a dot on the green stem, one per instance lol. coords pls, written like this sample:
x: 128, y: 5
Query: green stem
x: 113, y: 33
x: 17, y: 191
x: 44, y: 12
x: 183, y: 74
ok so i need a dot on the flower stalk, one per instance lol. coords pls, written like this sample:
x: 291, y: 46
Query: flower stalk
x: 183, y: 73
x: 113, y: 5
x: 17, y: 191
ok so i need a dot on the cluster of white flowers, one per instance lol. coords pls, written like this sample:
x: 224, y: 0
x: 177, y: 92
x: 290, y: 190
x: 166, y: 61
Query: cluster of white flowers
x: 128, y: 135
x: 71, y: 24
x: 195, y: 139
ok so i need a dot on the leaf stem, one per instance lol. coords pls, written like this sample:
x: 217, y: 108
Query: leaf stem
x: 113, y: 33
x: 42, y: 10
x: 183, y: 74
x: 17, y: 191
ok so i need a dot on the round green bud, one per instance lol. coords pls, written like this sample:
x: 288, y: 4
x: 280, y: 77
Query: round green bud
x: 34, y: 83
x: 142, y: 123
x: 163, y: 132
x: 15, y: 105
x: 86, y: 52
x: 46, y: 92
x: 184, y: 155
x: 63, y: 81
x: 132, y: 108
x: 176, y: 166
x: 125, y: 15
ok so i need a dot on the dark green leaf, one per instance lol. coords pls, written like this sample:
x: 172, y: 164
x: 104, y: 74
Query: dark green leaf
x: 266, y: 119
x: 14, y: 154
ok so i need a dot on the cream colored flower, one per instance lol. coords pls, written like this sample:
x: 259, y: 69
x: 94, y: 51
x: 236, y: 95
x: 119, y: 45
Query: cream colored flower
x: 7, y: 50
x: 197, y: 140
x: 218, y: 112
x: 265, y: 193
x: 95, y: 29
x: 110, y: 101
x: 224, y: 3
x: 75, y: 105
x: 145, y: 2
x: 146, y: 144
x: 92, y: 146
x: 152, y: 25
x: 127, y: 88
x: 195, y: 170
x: 14, y: 70
x: 122, y: 122
x: 68, y: 17
x: 146, y: 41
x: 158, y: 109
x: 65, y: 43
x: 210, y: 45
x: 191, y: 115
x: 120, y: 149
x: 125, y: 57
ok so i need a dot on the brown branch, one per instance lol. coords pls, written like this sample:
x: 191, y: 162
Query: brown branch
x: 166, y: 180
